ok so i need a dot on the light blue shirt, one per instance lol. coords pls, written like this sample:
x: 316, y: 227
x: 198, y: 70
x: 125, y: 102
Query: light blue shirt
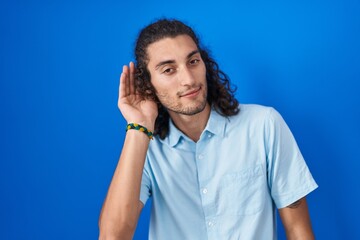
x: 228, y: 184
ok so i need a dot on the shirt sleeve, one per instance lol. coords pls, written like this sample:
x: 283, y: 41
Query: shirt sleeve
x: 289, y: 178
x: 145, y: 189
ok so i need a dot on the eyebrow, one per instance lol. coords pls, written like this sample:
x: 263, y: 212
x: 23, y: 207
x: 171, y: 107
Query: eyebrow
x: 173, y: 61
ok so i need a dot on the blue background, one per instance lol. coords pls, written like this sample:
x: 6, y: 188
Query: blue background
x: 61, y: 132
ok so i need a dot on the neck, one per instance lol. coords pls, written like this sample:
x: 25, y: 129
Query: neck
x: 192, y: 126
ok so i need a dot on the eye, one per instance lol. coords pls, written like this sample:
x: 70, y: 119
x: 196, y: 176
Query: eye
x: 168, y: 70
x: 194, y: 61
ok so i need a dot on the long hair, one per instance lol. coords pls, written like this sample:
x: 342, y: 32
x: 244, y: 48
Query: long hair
x: 220, y: 94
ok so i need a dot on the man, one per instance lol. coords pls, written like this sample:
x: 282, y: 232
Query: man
x: 215, y: 169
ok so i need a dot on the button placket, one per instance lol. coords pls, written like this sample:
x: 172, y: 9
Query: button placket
x: 210, y: 224
x: 204, y: 177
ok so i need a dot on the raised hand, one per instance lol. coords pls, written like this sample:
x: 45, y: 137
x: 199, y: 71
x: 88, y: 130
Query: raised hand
x: 134, y: 107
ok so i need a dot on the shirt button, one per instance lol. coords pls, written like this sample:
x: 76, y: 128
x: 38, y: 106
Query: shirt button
x: 209, y: 135
x: 210, y: 224
x: 204, y: 191
x: 201, y: 156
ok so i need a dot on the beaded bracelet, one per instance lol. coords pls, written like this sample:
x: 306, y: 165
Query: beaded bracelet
x: 140, y: 128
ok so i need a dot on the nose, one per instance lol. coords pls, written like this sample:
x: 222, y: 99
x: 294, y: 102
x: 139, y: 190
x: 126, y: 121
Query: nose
x: 186, y: 76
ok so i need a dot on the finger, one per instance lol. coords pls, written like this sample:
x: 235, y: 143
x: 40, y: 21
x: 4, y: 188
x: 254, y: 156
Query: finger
x: 123, y: 83
x: 132, y: 78
x: 126, y: 80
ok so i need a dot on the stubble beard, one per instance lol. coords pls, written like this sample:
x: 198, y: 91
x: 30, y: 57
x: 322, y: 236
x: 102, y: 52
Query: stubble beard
x: 185, y: 110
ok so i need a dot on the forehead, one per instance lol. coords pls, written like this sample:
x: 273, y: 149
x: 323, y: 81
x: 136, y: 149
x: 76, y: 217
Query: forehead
x: 171, y: 48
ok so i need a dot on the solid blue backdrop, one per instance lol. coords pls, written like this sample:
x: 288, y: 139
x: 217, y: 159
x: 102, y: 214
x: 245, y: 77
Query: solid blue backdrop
x: 61, y: 132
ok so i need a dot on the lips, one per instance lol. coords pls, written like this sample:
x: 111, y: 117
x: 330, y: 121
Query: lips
x: 191, y: 92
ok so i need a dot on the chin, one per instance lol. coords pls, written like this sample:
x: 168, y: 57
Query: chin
x: 194, y: 110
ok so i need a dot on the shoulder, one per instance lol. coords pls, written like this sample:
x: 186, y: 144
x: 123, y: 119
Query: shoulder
x: 255, y: 117
x: 254, y: 109
x: 254, y: 112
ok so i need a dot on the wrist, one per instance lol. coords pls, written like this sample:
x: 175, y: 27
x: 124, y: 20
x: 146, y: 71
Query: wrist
x: 149, y: 125
x: 140, y: 128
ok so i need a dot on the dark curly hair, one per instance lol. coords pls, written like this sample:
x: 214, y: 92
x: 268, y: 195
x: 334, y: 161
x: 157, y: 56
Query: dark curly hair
x: 220, y: 94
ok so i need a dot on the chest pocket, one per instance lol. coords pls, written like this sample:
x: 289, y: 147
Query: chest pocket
x: 242, y: 193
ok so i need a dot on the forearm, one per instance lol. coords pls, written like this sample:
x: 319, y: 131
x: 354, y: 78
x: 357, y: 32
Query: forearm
x: 300, y: 231
x: 300, y: 234
x: 120, y: 211
x: 296, y: 221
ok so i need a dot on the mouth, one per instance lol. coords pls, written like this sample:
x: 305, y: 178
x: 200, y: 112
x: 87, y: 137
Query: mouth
x: 191, y: 93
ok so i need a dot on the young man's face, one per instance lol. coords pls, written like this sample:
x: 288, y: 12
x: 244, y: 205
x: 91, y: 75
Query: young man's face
x: 178, y: 74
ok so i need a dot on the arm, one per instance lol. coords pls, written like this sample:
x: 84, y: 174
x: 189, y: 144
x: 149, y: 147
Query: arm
x: 122, y: 207
x: 296, y: 221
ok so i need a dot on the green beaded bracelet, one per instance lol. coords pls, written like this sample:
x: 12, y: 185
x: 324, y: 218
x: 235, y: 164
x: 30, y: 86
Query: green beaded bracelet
x: 140, y: 128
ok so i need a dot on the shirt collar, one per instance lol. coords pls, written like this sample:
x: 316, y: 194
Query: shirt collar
x: 215, y: 125
x: 174, y: 134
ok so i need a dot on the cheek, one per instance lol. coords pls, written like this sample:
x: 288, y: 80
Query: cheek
x: 164, y: 86
x: 165, y: 93
x: 161, y: 95
x: 161, y: 90
x: 160, y: 82
x: 202, y: 72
